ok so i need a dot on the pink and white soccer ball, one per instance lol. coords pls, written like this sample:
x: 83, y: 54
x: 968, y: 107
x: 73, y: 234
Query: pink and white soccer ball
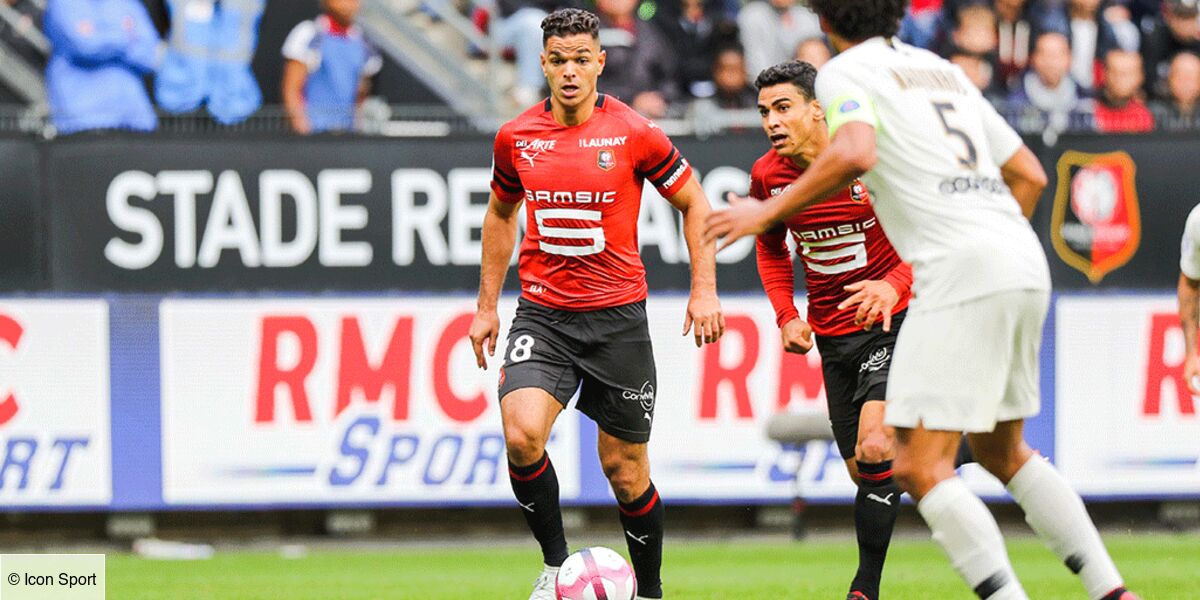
x: 595, y: 574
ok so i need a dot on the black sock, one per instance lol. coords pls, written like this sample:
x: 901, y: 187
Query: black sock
x: 875, y: 510
x: 643, y: 523
x: 536, y: 488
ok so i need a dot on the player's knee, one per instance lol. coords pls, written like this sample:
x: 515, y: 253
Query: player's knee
x: 1002, y: 464
x: 524, y: 447
x: 626, y: 477
x: 874, y: 448
x: 912, y: 477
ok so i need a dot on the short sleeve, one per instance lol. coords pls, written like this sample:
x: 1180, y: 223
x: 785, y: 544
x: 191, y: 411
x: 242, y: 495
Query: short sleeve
x: 301, y: 45
x: 1002, y: 140
x: 659, y: 161
x: 374, y: 62
x: 844, y: 100
x: 1189, y: 258
x: 506, y: 182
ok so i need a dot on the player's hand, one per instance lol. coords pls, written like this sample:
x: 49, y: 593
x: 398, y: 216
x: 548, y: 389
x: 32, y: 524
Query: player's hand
x: 875, y: 300
x: 485, y: 328
x: 796, y: 336
x: 704, y: 317
x: 745, y: 216
x: 1191, y: 373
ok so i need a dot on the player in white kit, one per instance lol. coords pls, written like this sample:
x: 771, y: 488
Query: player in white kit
x: 950, y: 181
x: 1189, y: 298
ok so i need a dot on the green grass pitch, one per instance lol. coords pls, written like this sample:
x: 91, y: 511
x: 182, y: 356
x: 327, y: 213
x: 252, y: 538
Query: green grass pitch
x: 1160, y: 567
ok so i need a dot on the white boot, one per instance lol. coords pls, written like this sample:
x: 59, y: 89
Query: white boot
x: 543, y: 588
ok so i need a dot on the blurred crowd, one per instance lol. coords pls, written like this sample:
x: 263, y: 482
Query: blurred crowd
x: 1048, y: 65
x: 1092, y: 65
x: 112, y: 68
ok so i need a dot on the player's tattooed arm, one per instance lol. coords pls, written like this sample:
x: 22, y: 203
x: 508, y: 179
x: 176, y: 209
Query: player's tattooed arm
x: 851, y: 153
x: 704, y: 317
x: 1189, y: 305
x: 499, y: 238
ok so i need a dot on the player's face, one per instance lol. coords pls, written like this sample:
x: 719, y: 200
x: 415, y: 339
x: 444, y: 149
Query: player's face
x: 572, y: 64
x: 789, y: 119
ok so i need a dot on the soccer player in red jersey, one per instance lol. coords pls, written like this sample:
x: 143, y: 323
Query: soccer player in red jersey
x: 578, y: 161
x: 854, y: 280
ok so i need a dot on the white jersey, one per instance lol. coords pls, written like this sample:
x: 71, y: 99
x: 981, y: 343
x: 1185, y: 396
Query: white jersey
x: 937, y: 187
x: 1189, y: 255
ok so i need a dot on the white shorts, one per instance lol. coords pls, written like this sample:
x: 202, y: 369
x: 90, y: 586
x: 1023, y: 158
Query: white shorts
x: 969, y: 366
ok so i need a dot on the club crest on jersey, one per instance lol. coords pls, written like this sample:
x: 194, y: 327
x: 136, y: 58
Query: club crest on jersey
x: 858, y: 192
x: 606, y: 160
x: 531, y: 149
x: 1096, y: 226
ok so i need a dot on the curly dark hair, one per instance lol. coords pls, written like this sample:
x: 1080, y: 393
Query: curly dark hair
x: 796, y: 72
x: 570, y: 21
x: 857, y: 20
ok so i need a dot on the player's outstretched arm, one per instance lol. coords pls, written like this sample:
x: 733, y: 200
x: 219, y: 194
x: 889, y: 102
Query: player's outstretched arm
x: 499, y: 237
x: 1189, y: 305
x: 704, y: 315
x: 1026, y: 179
x: 851, y: 153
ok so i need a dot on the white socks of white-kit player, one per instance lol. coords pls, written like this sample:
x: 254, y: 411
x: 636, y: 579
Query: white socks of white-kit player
x: 968, y: 533
x: 1058, y: 516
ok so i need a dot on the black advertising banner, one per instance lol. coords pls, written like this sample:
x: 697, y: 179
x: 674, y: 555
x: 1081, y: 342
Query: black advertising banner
x: 152, y: 214
x: 21, y: 225
x: 1113, y: 214
x: 149, y: 214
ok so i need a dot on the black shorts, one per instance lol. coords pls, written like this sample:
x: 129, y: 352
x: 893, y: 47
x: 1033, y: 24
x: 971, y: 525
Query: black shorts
x: 856, y: 367
x: 603, y: 354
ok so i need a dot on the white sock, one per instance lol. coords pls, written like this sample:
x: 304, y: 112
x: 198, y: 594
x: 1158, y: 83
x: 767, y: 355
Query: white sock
x: 1058, y: 516
x: 968, y: 533
x: 549, y: 569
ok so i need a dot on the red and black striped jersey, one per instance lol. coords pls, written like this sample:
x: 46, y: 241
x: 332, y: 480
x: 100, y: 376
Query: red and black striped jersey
x: 582, y: 187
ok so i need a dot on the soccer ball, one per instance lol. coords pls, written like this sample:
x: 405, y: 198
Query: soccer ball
x: 595, y: 574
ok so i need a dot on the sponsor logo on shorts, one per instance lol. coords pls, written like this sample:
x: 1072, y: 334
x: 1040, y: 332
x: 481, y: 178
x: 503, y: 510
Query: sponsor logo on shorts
x: 645, y: 396
x: 879, y: 359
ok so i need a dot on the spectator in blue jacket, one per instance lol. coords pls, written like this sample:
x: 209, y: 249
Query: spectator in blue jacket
x: 101, y: 51
x: 208, y: 59
x: 329, y: 67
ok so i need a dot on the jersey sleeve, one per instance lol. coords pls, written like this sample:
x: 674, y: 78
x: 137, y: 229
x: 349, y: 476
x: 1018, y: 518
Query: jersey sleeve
x: 901, y: 279
x: 506, y: 181
x: 301, y: 45
x: 1189, y: 258
x: 844, y: 99
x: 775, y: 270
x: 374, y: 62
x: 774, y: 260
x: 758, y: 189
x: 659, y: 161
x: 1003, y: 142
